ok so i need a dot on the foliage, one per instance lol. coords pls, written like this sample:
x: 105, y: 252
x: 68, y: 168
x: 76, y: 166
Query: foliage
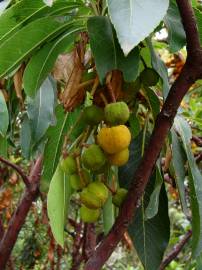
x: 57, y: 58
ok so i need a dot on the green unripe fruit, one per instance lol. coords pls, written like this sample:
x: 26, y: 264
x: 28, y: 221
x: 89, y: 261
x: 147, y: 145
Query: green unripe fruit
x: 93, y: 158
x: 149, y: 77
x: 119, y: 197
x: 68, y: 165
x: 89, y: 215
x: 102, y: 169
x: 90, y: 199
x: 117, y: 113
x: 99, y: 190
x: 77, y: 183
x: 93, y: 115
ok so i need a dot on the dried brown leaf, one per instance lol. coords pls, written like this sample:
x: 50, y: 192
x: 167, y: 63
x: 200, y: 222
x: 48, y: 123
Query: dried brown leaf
x: 17, y: 79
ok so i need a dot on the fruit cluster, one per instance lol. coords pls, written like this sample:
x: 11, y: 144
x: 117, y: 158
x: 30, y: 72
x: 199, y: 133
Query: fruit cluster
x: 110, y: 148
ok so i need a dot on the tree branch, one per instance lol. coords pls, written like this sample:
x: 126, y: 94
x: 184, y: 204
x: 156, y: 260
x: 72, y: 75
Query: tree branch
x: 190, y: 27
x: 191, y: 71
x: 17, y: 169
x: 176, y: 250
x: 18, y: 219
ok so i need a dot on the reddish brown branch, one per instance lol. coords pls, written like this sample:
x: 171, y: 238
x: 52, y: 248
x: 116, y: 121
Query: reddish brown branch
x: 1, y: 228
x: 191, y: 71
x: 76, y: 254
x: 18, y: 219
x: 89, y: 241
x: 199, y: 158
x: 176, y: 250
x: 17, y: 169
x: 197, y: 140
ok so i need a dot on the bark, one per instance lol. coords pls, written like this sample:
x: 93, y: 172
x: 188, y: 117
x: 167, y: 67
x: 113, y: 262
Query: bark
x: 176, y: 250
x: 18, y: 218
x: 191, y: 71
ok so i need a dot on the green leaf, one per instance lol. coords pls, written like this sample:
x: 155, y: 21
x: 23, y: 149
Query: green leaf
x: 133, y: 21
x: 134, y: 125
x: 129, y: 168
x: 57, y: 204
x: 160, y: 68
x: 150, y: 236
x: 153, y: 102
x: 42, y: 63
x: 3, y: 147
x: 153, y: 206
x: 179, y: 161
x: 25, y: 11
x: 198, y: 15
x: 26, y: 137
x: 107, y: 52
x: 195, y: 184
x: 176, y: 33
x: 52, y: 152
x: 27, y: 40
x: 41, y: 110
x: 4, y: 118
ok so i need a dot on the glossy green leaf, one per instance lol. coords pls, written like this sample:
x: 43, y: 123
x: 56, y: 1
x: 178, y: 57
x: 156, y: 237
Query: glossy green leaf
x: 198, y: 14
x: 26, y: 137
x: 57, y: 204
x: 153, y: 205
x: 176, y: 33
x: 25, y: 11
x: 133, y: 21
x: 160, y: 68
x: 27, y: 40
x: 41, y: 110
x: 150, y: 236
x: 134, y: 160
x: 55, y: 140
x: 107, y: 52
x: 42, y: 63
x: 195, y: 184
x: 4, y: 118
x: 153, y: 102
x: 179, y: 161
x: 3, y: 147
x: 134, y: 125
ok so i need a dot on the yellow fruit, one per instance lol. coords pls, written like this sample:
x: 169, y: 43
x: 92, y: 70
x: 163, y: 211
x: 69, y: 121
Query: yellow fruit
x: 93, y: 158
x: 117, y: 113
x: 119, y: 197
x: 120, y: 158
x: 89, y: 215
x: 90, y: 199
x: 93, y: 115
x: 114, y: 139
x: 99, y: 190
x: 68, y: 165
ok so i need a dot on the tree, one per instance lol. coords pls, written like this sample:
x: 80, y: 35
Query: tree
x: 78, y: 80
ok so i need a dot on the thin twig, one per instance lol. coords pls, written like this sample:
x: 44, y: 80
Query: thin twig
x: 25, y: 178
x: 109, y: 86
x: 18, y: 218
x: 176, y: 250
